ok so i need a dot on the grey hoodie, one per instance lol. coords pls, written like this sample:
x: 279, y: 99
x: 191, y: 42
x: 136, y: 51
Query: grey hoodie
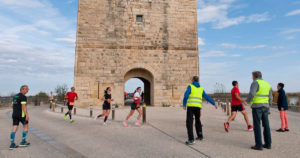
x: 253, y: 89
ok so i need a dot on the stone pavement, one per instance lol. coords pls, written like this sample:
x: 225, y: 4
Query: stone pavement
x: 162, y: 137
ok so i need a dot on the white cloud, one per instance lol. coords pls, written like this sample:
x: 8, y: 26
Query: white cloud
x: 291, y: 30
x: 201, y: 41
x: 215, y: 54
x: 258, y: 18
x: 22, y: 3
x: 216, y: 12
x: 290, y: 38
x: 233, y: 46
x: 229, y: 45
x: 294, y: 12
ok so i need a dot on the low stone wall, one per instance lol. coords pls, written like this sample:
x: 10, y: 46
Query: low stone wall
x: 31, y: 100
x: 291, y: 108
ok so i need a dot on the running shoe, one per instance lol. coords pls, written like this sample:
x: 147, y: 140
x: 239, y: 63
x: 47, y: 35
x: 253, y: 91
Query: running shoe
x: 104, y: 124
x: 71, y: 120
x: 125, y: 123
x: 190, y: 142
x: 250, y: 128
x: 66, y: 117
x: 95, y: 118
x: 137, y: 123
x: 226, y: 126
x: 13, y: 146
x: 24, y: 144
x: 286, y: 130
x: 280, y: 130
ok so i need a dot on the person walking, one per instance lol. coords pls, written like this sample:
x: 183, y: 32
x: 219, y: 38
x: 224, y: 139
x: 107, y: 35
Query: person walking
x: 20, y: 114
x: 192, y: 103
x: 135, y: 106
x: 106, y: 105
x: 282, y: 107
x: 260, y: 98
x: 71, y: 97
x: 237, y: 105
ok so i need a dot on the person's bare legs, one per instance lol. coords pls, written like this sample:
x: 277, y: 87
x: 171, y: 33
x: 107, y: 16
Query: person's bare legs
x: 140, y: 113
x: 232, y: 117
x: 244, y: 112
x: 130, y: 114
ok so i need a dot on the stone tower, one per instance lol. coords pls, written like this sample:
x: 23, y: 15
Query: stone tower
x: 153, y: 40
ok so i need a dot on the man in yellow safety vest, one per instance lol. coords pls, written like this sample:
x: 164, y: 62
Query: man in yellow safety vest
x: 260, y: 98
x: 192, y: 102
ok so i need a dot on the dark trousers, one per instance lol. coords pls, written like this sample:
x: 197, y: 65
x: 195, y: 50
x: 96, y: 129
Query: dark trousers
x: 261, y: 114
x: 193, y: 111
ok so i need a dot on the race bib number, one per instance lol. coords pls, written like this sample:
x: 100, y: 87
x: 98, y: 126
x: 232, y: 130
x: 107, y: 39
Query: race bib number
x: 71, y: 103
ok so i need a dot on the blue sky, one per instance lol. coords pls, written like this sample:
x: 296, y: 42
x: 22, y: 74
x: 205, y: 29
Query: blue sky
x: 37, y: 43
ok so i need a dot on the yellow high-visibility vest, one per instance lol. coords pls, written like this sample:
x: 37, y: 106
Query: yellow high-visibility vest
x: 262, y: 95
x: 195, y: 97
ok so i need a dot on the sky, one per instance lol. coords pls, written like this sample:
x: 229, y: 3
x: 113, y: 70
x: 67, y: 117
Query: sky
x: 235, y: 37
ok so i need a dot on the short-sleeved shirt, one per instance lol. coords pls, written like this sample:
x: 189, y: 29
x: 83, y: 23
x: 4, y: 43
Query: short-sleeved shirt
x: 234, y: 100
x: 71, y: 97
x: 18, y: 100
x: 137, y: 97
x: 107, y: 96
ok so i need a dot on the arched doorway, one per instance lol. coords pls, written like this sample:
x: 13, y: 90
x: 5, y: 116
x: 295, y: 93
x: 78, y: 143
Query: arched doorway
x: 147, y: 78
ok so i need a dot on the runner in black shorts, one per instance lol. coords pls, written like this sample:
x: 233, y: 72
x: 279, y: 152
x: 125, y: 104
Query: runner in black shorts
x: 135, y: 106
x: 237, y: 105
x: 20, y: 114
x: 71, y: 96
x: 106, y: 105
x: 236, y: 108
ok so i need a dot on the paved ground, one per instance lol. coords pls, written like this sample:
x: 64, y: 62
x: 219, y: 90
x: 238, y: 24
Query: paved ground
x: 163, y: 136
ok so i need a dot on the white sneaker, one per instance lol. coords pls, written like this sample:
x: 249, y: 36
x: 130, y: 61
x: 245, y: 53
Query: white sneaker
x: 104, y: 124
x: 95, y: 118
x: 138, y: 123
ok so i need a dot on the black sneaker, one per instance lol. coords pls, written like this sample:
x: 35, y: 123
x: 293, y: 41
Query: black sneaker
x: 199, y: 138
x: 256, y: 148
x: 24, y: 144
x: 267, y: 146
x: 280, y: 130
x: 190, y: 142
x: 13, y: 146
x: 286, y: 130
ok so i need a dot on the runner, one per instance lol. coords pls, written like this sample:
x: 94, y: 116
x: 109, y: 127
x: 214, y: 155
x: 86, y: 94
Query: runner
x: 71, y: 96
x: 51, y: 98
x: 135, y: 106
x: 20, y: 114
x: 236, y: 105
x: 106, y: 105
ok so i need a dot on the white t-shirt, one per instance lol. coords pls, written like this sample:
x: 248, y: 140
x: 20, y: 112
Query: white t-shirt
x: 137, y: 95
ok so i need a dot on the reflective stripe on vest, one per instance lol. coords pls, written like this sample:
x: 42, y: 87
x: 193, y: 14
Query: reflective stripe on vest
x: 262, y: 95
x: 195, y: 97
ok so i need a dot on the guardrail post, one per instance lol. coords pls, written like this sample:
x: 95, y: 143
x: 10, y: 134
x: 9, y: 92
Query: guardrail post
x: 53, y: 106
x: 91, y: 110
x: 113, y: 112
x: 74, y: 110
x: 62, y: 109
x: 227, y: 107
x: 144, y: 113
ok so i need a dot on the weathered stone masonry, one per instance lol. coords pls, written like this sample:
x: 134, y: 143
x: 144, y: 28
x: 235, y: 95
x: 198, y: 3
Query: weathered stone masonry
x: 112, y: 47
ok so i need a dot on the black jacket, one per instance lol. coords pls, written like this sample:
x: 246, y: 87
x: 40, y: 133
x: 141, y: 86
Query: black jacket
x: 282, y: 100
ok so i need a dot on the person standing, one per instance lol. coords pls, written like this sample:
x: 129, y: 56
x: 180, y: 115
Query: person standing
x: 135, y: 106
x: 260, y: 98
x: 71, y: 96
x: 192, y: 103
x: 20, y: 114
x: 282, y: 107
x: 236, y: 105
x: 106, y: 105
